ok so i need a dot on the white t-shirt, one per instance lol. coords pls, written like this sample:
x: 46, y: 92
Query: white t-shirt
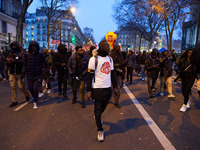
x: 102, y: 72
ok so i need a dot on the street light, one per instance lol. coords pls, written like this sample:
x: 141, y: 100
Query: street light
x: 73, y: 9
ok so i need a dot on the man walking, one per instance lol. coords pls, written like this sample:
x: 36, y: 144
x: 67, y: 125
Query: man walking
x: 15, y: 63
x: 77, y: 66
x: 100, y: 76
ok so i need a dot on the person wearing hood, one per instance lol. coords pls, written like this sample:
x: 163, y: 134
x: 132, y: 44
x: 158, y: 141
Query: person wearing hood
x: 100, y: 76
x: 33, y: 63
x: 166, y: 63
x: 46, y: 76
x: 77, y: 66
x: 151, y: 65
x: 188, y: 70
x: 118, y: 67
x: 15, y: 63
x: 60, y: 61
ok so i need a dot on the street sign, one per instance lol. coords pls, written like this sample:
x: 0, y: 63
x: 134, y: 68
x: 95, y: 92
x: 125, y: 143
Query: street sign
x: 55, y: 42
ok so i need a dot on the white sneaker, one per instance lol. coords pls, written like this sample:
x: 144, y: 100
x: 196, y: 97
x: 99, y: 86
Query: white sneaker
x: 48, y: 91
x: 40, y: 94
x: 161, y: 94
x: 188, y: 104
x: 100, y: 136
x: 183, y: 108
x: 4, y: 79
x: 35, y: 105
x: 171, y: 96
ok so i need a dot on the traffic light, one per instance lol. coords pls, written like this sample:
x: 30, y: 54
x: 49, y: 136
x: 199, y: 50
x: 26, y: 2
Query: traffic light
x: 73, y: 40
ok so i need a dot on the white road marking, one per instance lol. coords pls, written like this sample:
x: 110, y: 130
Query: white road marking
x: 156, y: 130
x: 21, y: 106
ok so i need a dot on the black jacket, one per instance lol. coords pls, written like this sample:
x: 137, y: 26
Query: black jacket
x: 72, y: 67
x: 149, y: 66
x: 118, y: 63
x: 33, y: 63
x: 15, y: 59
x: 61, y: 57
x: 166, y: 64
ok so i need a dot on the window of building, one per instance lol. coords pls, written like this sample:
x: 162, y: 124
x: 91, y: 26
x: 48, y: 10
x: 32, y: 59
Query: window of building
x: 4, y: 27
x: 44, y: 31
x: 38, y: 38
x: 32, y: 39
x: 32, y: 33
x: 26, y: 33
x: 2, y: 5
x: 43, y: 19
x: 43, y: 38
x: 43, y: 44
x: 27, y: 40
x: 38, y: 19
x: 43, y: 25
x: 32, y: 27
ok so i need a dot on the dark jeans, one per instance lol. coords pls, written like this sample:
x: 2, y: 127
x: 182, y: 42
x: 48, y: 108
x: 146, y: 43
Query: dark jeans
x: 187, y: 83
x: 62, y: 78
x: 34, y: 87
x: 101, y: 97
x: 129, y: 73
x: 119, y: 85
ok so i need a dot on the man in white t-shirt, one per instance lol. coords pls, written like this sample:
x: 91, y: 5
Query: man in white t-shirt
x: 100, y: 76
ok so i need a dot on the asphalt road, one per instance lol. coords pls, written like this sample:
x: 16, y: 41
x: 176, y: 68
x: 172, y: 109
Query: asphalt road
x: 59, y: 125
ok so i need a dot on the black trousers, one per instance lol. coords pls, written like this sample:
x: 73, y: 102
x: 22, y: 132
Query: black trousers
x: 129, y: 73
x: 187, y: 83
x: 101, y: 97
x: 62, y: 78
x: 34, y: 87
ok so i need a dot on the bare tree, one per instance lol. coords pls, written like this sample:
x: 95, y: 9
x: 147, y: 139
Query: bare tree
x: 20, y: 21
x: 137, y: 15
x: 56, y: 11
x: 173, y: 11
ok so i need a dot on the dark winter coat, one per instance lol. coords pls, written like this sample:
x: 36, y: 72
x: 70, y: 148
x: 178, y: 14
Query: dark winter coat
x: 166, y: 64
x: 33, y: 63
x: 72, y: 67
x: 61, y: 57
x: 149, y: 66
x: 118, y: 63
x: 15, y: 59
x: 131, y: 60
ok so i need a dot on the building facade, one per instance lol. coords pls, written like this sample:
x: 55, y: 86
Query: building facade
x: 131, y: 40
x: 9, y: 14
x: 68, y: 32
x: 191, y: 28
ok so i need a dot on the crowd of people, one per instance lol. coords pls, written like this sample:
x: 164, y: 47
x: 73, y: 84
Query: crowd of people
x: 98, y: 71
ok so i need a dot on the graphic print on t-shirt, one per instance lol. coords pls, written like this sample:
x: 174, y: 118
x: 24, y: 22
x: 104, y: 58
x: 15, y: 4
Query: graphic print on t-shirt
x: 105, y: 68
